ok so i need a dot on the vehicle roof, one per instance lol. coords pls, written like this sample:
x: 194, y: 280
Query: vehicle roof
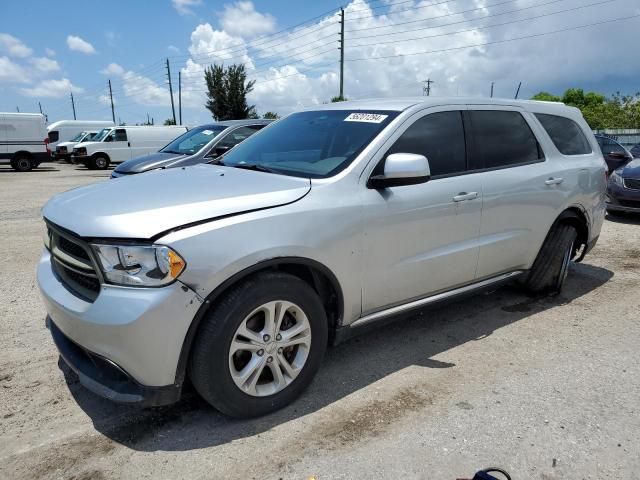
x: 403, y: 103
x: 16, y: 114
x: 231, y: 123
x: 89, y: 123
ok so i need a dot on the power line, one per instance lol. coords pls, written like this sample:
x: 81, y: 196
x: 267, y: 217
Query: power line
x: 430, y: 27
x: 410, y: 9
x: 495, y: 42
x: 489, y: 26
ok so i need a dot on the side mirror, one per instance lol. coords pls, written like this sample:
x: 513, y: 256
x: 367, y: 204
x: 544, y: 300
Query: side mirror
x: 402, y: 169
x: 618, y: 154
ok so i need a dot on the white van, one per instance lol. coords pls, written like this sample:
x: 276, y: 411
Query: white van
x: 65, y: 130
x: 63, y: 149
x: 23, y: 140
x: 118, y: 144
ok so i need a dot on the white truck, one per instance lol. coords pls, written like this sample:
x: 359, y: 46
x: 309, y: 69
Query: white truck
x: 118, y: 144
x: 63, y: 150
x: 65, y: 130
x: 23, y: 140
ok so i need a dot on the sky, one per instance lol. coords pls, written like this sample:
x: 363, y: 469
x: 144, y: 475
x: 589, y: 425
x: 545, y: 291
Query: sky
x: 291, y: 49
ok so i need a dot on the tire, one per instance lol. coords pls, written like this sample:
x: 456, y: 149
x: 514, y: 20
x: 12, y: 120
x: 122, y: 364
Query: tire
x: 215, y: 371
x: 551, y: 266
x: 98, y: 162
x: 22, y: 164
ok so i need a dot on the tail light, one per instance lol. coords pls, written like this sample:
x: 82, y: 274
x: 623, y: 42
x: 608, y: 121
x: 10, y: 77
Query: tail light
x: 46, y: 144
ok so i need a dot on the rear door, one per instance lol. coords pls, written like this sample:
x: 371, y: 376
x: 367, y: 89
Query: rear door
x: 4, y: 138
x: 422, y: 239
x: 522, y: 190
x: 118, y: 145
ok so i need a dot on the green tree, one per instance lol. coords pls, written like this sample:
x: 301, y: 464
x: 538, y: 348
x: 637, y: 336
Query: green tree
x: 169, y: 121
x: 546, y: 97
x: 227, y: 90
x: 338, y: 98
x: 271, y: 115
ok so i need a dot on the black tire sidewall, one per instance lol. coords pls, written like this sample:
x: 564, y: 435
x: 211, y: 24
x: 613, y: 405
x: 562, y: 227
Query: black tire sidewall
x: 93, y: 163
x: 210, y: 359
x: 15, y: 163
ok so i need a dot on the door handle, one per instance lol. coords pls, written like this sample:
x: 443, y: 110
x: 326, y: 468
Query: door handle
x: 462, y: 196
x: 553, y: 181
x: 128, y: 144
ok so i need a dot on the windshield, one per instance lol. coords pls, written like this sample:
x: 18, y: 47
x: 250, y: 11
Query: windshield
x: 192, y: 141
x: 101, y: 134
x: 78, y: 137
x: 310, y: 144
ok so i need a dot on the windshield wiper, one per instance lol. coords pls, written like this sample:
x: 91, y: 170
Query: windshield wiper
x: 251, y: 166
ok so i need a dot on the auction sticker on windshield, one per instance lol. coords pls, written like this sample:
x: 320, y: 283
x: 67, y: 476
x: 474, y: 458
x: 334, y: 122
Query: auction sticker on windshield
x: 366, y: 117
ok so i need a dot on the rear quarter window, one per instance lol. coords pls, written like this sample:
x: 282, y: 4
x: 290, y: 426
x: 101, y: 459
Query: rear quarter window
x: 565, y: 134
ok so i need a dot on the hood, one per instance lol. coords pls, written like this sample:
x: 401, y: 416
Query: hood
x: 148, y: 162
x: 142, y: 206
x: 632, y: 169
x: 66, y: 144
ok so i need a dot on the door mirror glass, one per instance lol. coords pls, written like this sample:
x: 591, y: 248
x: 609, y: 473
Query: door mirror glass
x: 402, y: 169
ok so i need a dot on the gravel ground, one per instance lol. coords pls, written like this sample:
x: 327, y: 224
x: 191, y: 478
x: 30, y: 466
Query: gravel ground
x: 547, y: 388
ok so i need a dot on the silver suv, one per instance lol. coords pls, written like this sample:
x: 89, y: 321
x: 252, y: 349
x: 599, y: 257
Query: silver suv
x: 238, y: 274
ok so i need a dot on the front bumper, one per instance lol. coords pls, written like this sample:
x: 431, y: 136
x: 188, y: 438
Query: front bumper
x: 138, y: 331
x: 622, y: 199
x: 79, y: 160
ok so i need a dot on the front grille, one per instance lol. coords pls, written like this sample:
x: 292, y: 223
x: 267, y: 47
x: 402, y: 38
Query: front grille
x: 632, y: 183
x: 72, y: 263
x: 62, y: 149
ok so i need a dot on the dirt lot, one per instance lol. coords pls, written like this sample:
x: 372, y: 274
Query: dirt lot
x: 547, y: 388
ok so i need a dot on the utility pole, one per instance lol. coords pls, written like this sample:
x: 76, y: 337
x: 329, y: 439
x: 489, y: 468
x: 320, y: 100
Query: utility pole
x: 173, y: 108
x: 113, y: 112
x: 73, y: 106
x: 518, y: 90
x: 491, y: 89
x: 180, y: 96
x: 341, y: 53
x: 426, y: 89
x: 40, y: 107
x: 18, y: 109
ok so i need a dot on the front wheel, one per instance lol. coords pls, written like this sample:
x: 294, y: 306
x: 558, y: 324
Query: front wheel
x: 98, y: 162
x: 551, y: 266
x: 260, y: 346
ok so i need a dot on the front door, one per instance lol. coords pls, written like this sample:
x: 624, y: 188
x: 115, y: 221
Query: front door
x: 118, y: 149
x: 422, y: 239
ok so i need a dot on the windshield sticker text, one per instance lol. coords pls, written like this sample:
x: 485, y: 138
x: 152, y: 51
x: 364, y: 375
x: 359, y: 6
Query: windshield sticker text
x: 366, y: 117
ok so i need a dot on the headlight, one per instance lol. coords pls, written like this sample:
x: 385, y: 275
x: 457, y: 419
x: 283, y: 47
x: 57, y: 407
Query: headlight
x: 82, y: 151
x: 139, y: 265
x: 616, y: 178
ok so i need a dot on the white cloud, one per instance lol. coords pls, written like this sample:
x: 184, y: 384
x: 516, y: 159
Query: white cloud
x: 106, y: 100
x: 173, y: 49
x: 77, y: 44
x: 243, y: 20
x: 113, y: 69
x: 184, y: 6
x: 50, y: 52
x: 12, y: 72
x: 13, y: 46
x: 210, y: 46
x: 44, y: 64
x: 51, y: 88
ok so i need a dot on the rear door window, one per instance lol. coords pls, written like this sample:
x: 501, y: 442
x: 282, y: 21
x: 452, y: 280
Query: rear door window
x: 237, y: 136
x: 566, y: 135
x: 502, y: 139
x: 439, y: 137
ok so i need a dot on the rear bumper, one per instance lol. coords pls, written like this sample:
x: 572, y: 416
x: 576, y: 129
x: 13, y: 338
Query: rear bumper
x: 107, y: 379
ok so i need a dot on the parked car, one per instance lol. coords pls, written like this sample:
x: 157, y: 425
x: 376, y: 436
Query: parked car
x: 614, y: 154
x: 65, y: 130
x: 23, y: 140
x: 623, y: 192
x: 328, y: 222
x: 64, y: 149
x: 119, y: 144
x: 198, y: 145
x: 635, y: 151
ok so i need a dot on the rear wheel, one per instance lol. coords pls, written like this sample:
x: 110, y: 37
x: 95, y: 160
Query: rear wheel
x: 551, y: 266
x: 98, y: 162
x: 260, y: 346
x: 22, y: 164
